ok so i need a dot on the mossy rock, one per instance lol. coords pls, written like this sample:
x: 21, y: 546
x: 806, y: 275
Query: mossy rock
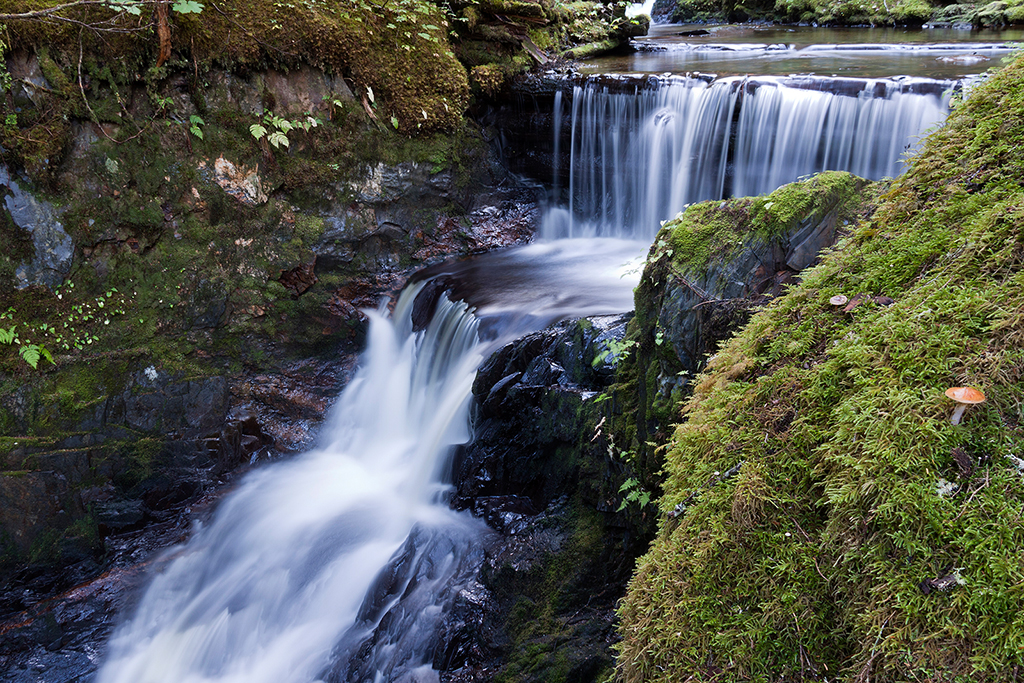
x: 992, y: 14
x: 592, y: 49
x: 1015, y: 15
x: 821, y: 514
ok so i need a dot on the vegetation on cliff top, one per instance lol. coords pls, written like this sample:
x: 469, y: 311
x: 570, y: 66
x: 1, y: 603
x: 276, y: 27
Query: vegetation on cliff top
x: 822, y: 517
x: 852, y: 12
x: 398, y: 49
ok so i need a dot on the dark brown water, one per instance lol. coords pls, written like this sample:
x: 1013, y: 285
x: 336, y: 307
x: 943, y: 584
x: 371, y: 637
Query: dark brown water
x: 785, y: 50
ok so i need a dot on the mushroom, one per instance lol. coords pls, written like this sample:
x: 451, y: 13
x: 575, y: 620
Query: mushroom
x: 838, y: 300
x: 964, y: 396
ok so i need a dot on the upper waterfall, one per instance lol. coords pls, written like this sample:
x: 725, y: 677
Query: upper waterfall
x: 641, y: 151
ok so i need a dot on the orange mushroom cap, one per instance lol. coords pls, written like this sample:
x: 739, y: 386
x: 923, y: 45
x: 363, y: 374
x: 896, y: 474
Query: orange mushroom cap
x: 968, y: 395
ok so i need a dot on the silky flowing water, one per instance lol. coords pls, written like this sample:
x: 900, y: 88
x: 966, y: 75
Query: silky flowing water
x: 643, y: 149
x: 340, y: 564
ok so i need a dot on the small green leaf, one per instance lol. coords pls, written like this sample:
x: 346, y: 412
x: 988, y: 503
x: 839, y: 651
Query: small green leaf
x: 30, y: 354
x: 187, y: 7
x: 278, y: 139
x: 257, y: 131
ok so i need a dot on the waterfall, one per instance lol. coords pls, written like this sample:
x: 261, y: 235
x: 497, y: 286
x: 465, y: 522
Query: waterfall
x: 301, y: 565
x: 339, y: 565
x: 640, y: 154
x: 638, y: 8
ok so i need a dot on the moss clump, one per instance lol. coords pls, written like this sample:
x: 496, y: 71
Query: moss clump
x: 694, y: 249
x: 712, y: 233
x: 809, y: 485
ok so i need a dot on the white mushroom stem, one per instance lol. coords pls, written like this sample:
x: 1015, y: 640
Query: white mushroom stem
x: 958, y: 413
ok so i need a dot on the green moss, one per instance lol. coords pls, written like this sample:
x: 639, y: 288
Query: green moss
x: 399, y: 50
x: 713, y: 232
x: 858, y: 12
x: 545, y: 635
x: 812, y: 557
x: 1015, y: 15
x: 593, y: 49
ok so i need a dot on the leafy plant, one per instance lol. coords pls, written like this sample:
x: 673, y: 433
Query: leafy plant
x: 194, y: 126
x: 635, y: 493
x: 30, y: 353
x: 276, y: 128
x: 615, y: 350
x: 187, y: 7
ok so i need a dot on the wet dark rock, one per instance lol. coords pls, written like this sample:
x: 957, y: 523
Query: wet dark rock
x: 119, y: 516
x: 534, y: 407
x: 144, y: 451
x: 237, y: 442
x: 429, y: 573
x: 508, y: 515
x: 299, y: 279
x: 54, y: 248
x: 55, y: 621
x: 538, y: 474
x: 466, y: 635
x: 289, y: 404
x: 32, y: 504
x: 544, y: 606
x: 426, y: 303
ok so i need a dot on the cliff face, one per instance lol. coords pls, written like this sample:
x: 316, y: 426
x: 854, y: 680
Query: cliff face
x: 190, y: 238
x: 822, y: 517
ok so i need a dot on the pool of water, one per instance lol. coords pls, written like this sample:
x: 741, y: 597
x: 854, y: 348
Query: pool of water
x: 784, y: 50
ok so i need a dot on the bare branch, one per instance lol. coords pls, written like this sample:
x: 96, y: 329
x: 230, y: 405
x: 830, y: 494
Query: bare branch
x: 118, y: 8
x: 50, y: 11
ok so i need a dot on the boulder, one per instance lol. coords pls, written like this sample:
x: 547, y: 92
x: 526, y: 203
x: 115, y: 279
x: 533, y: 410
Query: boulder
x: 54, y: 248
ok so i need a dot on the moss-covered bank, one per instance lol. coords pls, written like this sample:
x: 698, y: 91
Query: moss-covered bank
x: 822, y: 518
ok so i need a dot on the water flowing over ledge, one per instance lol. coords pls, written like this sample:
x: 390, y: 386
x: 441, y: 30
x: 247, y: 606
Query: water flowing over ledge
x: 283, y: 574
x: 341, y: 564
x: 640, y: 150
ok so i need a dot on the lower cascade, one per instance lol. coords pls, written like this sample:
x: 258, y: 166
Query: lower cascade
x: 339, y: 565
x: 309, y: 556
x: 638, y: 155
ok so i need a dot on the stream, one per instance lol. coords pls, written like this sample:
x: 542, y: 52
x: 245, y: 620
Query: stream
x: 340, y: 564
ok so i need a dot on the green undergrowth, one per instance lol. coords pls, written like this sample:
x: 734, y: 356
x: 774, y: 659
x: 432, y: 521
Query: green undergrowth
x: 168, y: 262
x: 817, y: 524
x: 851, y: 12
